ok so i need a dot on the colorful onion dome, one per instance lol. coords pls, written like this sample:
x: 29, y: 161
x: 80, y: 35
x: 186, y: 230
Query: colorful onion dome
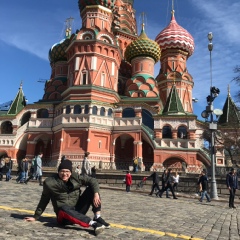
x: 143, y: 46
x: 57, y: 51
x: 105, y: 3
x: 175, y: 36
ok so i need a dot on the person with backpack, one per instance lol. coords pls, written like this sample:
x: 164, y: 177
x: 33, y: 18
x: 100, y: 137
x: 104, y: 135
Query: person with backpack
x: 203, y: 180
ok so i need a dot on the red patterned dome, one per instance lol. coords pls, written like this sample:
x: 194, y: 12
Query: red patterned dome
x: 105, y: 3
x: 175, y: 36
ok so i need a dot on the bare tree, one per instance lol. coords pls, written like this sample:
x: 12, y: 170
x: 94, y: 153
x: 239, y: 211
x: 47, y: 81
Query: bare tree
x: 237, y: 80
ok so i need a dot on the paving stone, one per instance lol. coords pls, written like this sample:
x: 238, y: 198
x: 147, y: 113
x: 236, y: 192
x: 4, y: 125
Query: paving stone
x: 141, y: 216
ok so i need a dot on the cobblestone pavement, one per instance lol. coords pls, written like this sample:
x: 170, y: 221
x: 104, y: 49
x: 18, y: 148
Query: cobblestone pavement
x: 132, y: 216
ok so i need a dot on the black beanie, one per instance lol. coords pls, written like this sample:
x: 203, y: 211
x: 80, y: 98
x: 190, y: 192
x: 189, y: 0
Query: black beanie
x: 65, y: 164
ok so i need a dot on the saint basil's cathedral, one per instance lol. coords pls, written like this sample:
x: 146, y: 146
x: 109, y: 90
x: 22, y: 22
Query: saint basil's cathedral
x: 102, y: 97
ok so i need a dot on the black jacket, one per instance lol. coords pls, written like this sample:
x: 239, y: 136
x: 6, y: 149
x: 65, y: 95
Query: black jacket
x: 232, y: 181
x: 155, y: 177
x: 203, y: 180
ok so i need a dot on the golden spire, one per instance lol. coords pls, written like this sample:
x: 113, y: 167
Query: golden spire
x: 143, y: 34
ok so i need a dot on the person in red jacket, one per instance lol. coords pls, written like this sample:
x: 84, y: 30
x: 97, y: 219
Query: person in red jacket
x: 128, y: 181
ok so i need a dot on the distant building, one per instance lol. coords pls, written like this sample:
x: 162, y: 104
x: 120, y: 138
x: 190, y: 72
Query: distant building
x: 102, y: 97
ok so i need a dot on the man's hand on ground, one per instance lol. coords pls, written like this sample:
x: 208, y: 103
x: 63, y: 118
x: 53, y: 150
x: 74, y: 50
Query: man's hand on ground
x: 29, y: 219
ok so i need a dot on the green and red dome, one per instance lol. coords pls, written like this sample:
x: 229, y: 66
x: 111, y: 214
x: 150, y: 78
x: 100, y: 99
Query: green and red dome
x: 105, y: 3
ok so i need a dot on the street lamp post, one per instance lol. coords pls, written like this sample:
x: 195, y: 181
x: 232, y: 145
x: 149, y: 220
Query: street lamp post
x: 209, y: 114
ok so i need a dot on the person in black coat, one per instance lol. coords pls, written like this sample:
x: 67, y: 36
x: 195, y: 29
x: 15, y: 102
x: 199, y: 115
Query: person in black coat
x: 168, y: 184
x: 232, y: 184
x: 203, y: 182
x: 155, y: 179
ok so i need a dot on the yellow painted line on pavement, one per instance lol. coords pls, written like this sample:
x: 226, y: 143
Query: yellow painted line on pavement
x: 146, y: 230
x: 26, y: 211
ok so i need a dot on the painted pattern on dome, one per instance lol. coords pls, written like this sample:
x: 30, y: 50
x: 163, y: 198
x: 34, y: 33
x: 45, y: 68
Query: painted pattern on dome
x: 175, y: 36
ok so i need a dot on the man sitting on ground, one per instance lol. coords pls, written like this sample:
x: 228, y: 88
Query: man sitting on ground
x: 70, y: 206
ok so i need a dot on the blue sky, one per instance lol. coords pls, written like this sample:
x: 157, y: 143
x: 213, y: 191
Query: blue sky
x: 29, y: 28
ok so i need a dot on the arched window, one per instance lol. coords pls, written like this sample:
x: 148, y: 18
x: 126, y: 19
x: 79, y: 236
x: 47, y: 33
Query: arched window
x: 42, y: 113
x: 77, y: 109
x: 68, y: 109
x: 182, y: 132
x: 110, y: 112
x: 6, y: 128
x: 94, y: 110
x: 25, y: 118
x: 167, y: 132
x: 128, y: 113
x: 84, y: 77
x: 102, y: 111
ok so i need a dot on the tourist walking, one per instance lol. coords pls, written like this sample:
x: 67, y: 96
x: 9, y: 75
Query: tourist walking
x: 175, y: 181
x: 23, y: 170
x: 128, y: 181
x: 32, y: 171
x: 168, y: 184
x: 86, y: 166
x: 164, y: 177
x: 203, y: 180
x: 8, y: 167
x: 38, y: 167
x: 232, y: 184
x: 70, y: 206
x: 155, y: 179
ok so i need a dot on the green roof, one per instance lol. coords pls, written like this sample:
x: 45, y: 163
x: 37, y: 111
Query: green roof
x: 230, y: 112
x: 173, y: 104
x: 18, y: 104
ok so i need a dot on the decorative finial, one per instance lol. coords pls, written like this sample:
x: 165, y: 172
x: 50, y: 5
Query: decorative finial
x: 68, y: 24
x: 173, y: 11
x: 21, y: 83
x: 228, y: 90
x: 143, y: 24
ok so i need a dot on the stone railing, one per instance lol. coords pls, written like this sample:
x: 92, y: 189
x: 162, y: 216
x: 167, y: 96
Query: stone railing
x: 7, y: 139
x: 176, y: 143
x: 121, y: 123
x: 40, y: 123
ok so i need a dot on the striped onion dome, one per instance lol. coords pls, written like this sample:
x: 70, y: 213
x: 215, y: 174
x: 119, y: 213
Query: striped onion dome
x: 175, y: 36
x: 143, y: 46
x: 105, y: 3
